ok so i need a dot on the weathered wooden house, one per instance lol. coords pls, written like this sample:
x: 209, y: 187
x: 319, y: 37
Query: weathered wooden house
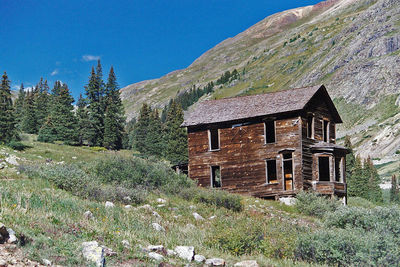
x: 270, y: 145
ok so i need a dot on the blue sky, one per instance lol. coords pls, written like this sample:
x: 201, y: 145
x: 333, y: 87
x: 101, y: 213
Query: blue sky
x: 61, y: 40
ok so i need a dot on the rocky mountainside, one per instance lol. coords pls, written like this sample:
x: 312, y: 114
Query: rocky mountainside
x: 351, y: 46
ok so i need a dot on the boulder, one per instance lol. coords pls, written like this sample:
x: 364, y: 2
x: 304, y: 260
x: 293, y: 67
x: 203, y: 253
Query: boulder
x: 109, y: 204
x: 127, y: 198
x: 88, y: 215
x: 108, y: 251
x: 199, y: 258
x: 12, y: 160
x: 249, y: 263
x: 185, y: 252
x: 12, y: 239
x: 215, y: 262
x: 162, y: 201
x: 91, y: 251
x: 155, y: 213
x: 156, y: 256
x: 146, y: 207
x: 128, y: 207
x: 3, y: 263
x: 157, y: 248
x: 197, y: 216
x: 289, y: 201
x: 46, y: 262
x: 158, y: 227
x: 171, y: 253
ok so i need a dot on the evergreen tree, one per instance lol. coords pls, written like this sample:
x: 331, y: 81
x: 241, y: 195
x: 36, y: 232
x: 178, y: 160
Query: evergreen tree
x: 394, y: 191
x: 374, y: 192
x: 175, y: 135
x: 61, y: 122
x: 29, y: 122
x: 8, y: 131
x: 82, y: 120
x: 154, y: 137
x: 19, y: 106
x: 95, y: 129
x: 42, y: 103
x: 114, y: 115
x: 141, y: 130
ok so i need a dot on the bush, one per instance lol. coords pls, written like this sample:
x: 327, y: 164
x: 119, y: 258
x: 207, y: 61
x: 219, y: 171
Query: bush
x: 313, y: 204
x: 98, y: 148
x: 17, y: 145
x: 213, y: 197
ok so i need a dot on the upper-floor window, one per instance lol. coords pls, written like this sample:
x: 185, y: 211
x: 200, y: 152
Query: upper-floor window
x: 271, y: 171
x: 213, y: 139
x: 325, y: 130
x: 310, y: 126
x: 269, y: 132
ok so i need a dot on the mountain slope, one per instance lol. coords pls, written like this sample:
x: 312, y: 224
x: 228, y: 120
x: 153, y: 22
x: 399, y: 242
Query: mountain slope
x: 350, y: 46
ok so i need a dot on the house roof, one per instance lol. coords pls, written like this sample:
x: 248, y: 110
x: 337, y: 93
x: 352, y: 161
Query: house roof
x: 243, y: 107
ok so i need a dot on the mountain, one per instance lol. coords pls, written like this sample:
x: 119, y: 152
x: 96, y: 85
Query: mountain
x: 351, y: 46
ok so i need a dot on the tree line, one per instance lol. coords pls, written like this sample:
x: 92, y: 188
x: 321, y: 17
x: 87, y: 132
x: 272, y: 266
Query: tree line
x: 97, y: 121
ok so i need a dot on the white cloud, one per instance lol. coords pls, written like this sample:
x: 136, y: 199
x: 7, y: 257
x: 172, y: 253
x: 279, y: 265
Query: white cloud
x: 55, y: 72
x: 29, y: 88
x: 90, y: 58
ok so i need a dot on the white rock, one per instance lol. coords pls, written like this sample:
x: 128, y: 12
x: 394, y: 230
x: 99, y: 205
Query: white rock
x: 199, y: 258
x: 192, y: 207
x: 157, y: 248
x: 197, y: 216
x: 156, y: 256
x: 127, y: 198
x: 126, y: 244
x: 146, y: 207
x: 88, y: 215
x: 249, y: 263
x: 161, y: 206
x: 289, y: 201
x: 46, y: 262
x: 215, y: 262
x: 91, y: 251
x: 212, y: 217
x: 128, y: 207
x: 160, y: 200
x: 158, y: 227
x: 12, y: 160
x: 109, y: 204
x: 185, y: 252
x: 12, y: 239
x: 155, y: 213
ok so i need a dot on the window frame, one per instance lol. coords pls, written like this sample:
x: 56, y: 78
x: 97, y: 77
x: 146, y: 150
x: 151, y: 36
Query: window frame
x: 265, y: 132
x: 312, y: 134
x: 291, y: 159
x: 341, y: 170
x: 210, y: 140
x: 325, y: 130
x: 212, y: 178
x: 266, y: 171
x: 329, y: 168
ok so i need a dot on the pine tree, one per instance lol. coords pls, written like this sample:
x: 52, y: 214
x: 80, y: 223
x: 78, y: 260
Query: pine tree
x: 42, y: 103
x: 175, y: 136
x: 95, y: 129
x: 154, y: 137
x: 374, y: 192
x: 357, y: 183
x: 29, y: 122
x: 394, y: 191
x: 114, y: 114
x: 141, y: 130
x: 61, y: 122
x: 8, y: 131
x: 19, y: 106
x: 82, y: 117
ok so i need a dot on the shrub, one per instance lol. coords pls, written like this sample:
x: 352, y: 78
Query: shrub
x: 17, y: 145
x: 98, y: 148
x: 213, y: 197
x: 313, y: 204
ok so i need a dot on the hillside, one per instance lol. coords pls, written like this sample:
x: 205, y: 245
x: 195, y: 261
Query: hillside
x: 350, y: 46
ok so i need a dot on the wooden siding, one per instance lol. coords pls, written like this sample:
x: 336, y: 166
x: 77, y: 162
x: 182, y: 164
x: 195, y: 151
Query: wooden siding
x: 242, y: 157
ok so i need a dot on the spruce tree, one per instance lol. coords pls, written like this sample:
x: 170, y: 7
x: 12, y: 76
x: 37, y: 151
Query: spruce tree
x: 374, y: 192
x: 19, y: 106
x: 82, y: 117
x: 28, y: 114
x: 42, y: 102
x: 61, y: 122
x: 141, y: 130
x: 95, y: 129
x: 8, y: 131
x: 394, y: 191
x: 114, y: 114
x: 154, y: 137
x: 175, y: 135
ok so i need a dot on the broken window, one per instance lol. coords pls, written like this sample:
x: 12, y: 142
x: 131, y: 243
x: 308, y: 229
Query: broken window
x: 214, y: 139
x: 326, y: 131
x: 338, y: 170
x: 215, y: 177
x: 269, y: 132
x: 271, y: 171
x: 310, y: 126
x: 323, y: 169
x: 288, y: 171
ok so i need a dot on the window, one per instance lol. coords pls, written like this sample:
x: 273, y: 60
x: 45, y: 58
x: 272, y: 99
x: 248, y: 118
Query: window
x: 288, y: 171
x: 323, y: 168
x: 310, y: 126
x: 271, y: 171
x: 213, y: 139
x: 215, y: 177
x: 326, y: 131
x: 269, y: 132
x: 338, y: 170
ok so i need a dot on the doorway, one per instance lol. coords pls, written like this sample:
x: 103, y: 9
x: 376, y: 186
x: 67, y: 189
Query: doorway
x: 288, y: 171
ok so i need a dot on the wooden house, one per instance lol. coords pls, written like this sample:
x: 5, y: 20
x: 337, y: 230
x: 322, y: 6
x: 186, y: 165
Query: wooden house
x: 271, y: 145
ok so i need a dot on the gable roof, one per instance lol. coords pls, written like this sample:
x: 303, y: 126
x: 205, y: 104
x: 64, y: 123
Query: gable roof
x: 243, y: 107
